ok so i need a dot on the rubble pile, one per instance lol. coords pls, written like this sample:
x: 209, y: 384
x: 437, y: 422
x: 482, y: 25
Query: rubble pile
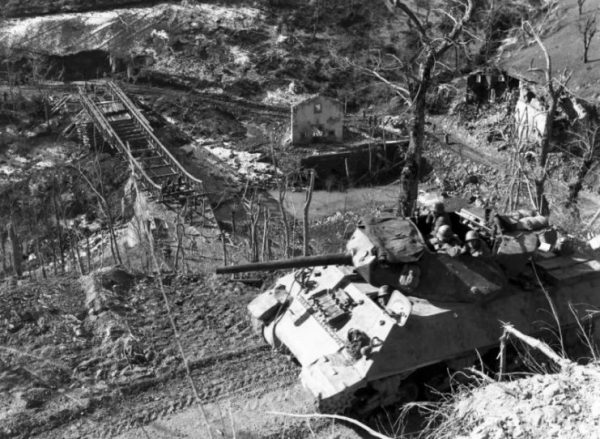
x: 561, y: 405
x: 248, y: 166
x: 456, y: 176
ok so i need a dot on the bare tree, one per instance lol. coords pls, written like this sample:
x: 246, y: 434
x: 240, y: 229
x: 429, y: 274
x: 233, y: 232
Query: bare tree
x: 432, y: 50
x: 57, y: 216
x: 580, y: 4
x: 309, y: 193
x: 282, y: 186
x: 15, y: 248
x: 588, y: 28
x: 3, y: 240
x: 587, y: 146
x: 554, y: 89
x: 253, y: 211
x: 105, y: 207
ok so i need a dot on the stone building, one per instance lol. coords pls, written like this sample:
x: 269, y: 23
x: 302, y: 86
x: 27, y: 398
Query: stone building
x: 317, y: 119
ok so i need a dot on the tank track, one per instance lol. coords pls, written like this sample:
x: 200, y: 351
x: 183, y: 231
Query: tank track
x: 340, y: 404
x: 351, y: 403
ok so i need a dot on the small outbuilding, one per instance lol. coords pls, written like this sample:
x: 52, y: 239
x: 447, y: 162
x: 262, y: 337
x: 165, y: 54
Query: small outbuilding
x: 317, y: 119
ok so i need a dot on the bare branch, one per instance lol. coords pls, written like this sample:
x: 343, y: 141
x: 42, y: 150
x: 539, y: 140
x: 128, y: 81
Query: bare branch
x: 456, y: 30
x: 588, y: 28
x: 401, y: 91
x: 391, y: 4
x: 338, y: 417
x: 548, y: 71
x: 539, y: 345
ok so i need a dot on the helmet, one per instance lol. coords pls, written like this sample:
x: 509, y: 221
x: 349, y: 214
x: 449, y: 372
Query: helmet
x: 471, y: 236
x: 438, y: 207
x: 444, y: 232
x: 383, y: 291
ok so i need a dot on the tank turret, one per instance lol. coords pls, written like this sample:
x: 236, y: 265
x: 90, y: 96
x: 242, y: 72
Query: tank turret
x: 391, y: 251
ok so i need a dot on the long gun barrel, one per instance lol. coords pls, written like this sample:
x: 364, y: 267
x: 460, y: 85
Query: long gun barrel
x: 300, y: 262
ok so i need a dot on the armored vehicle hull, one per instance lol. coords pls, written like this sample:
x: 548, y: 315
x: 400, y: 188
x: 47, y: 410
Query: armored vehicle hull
x: 361, y: 332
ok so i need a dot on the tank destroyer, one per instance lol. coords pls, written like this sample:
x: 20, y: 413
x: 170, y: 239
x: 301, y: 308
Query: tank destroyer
x: 365, y: 324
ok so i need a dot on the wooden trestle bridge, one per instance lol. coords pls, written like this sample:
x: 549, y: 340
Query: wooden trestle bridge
x: 122, y: 125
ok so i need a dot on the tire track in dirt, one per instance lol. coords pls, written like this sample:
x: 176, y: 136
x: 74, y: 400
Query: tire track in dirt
x: 247, y: 372
x: 247, y: 375
x: 108, y: 394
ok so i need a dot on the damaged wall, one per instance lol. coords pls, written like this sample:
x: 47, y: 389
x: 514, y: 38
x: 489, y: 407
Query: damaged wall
x: 531, y: 114
x: 489, y: 86
x: 530, y: 119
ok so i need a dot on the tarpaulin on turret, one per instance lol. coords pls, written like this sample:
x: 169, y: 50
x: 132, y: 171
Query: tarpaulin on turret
x: 397, y: 239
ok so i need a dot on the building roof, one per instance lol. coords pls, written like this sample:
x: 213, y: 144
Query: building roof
x: 314, y: 97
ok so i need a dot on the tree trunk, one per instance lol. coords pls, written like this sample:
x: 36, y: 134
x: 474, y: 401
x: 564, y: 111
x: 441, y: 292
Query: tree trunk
x: 540, y: 196
x: 79, y: 258
x: 2, y: 250
x: 74, y: 265
x: 180, y: 231
x: 40, y: 258
x: 15, y: 246
x: 54, y: 260
x: 577, y: 185
x: 113, y: 237
x: 224, y: 249
x: 254, y: 215
x: 265, y: 236
x: 541, y: 173
x: 411, y: 172
x: 284, y: 222
x: 89, y: 253
x: 58, y: 230
x: 309, y: 193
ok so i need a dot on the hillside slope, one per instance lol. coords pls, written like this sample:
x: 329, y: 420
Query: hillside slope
x: 560, y: 33
x: 25, y: 8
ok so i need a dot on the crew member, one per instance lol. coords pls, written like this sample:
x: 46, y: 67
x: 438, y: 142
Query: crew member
x: 475, y: 246
x: 447, y: 242
x: 383, y: 295
x: 438, y: 218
